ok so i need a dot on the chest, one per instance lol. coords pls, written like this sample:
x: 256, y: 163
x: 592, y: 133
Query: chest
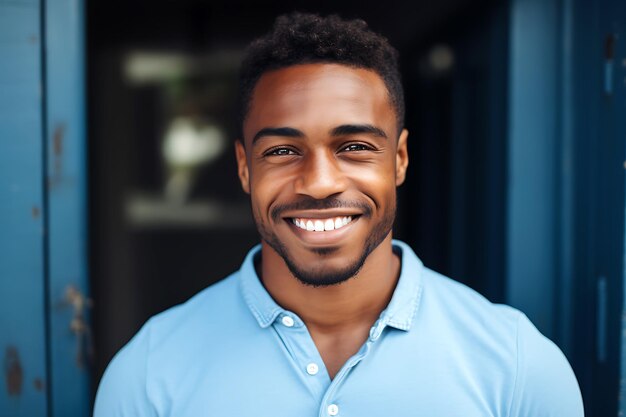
x: 274, y: 377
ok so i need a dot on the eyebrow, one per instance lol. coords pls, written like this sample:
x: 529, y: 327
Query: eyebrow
x: 342, y: 130
x: 358, y: 129
x: 277, y: 131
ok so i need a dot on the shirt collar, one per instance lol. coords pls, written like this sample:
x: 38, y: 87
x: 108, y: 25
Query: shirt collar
x: 406, y: 297
x: 260, y: 303
x: 398, y: 314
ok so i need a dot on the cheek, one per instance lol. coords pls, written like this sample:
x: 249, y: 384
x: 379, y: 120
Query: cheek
x: 265, y: 191
x: 379, y: 185
x: 256, y: 212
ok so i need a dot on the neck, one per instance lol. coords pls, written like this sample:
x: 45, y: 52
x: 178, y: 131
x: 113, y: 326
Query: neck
x: 355, y: 302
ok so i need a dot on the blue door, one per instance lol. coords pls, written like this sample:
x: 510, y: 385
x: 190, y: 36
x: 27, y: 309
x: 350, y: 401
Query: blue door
x: 567, y: 153
x: 45, y: 341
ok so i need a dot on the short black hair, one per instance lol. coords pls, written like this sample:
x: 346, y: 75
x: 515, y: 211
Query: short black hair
x: 305, y: 38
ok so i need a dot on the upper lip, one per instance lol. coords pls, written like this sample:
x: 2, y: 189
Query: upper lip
x: 319, y: 214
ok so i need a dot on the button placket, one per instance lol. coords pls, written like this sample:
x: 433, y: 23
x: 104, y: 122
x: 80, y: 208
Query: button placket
x: 303, y: 353
x: 336, y: 382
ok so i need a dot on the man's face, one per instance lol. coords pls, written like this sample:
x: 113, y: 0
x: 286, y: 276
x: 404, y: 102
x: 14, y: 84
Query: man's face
x: 321, y: 162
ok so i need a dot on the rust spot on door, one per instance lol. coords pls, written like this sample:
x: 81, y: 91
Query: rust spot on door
x: 35, y: 212
x: 13, y: 372
x: 58, y: 137
x: 57, y: 140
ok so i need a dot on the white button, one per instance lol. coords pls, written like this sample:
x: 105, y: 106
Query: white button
x: 288, y: 321
x: 333, y: 410
x: 312, y: 368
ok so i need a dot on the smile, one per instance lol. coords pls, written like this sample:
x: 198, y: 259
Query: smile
x: 322, y: 225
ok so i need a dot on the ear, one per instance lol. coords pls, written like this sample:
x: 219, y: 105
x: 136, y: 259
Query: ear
x: 402, y: 157
x: 242, y: 166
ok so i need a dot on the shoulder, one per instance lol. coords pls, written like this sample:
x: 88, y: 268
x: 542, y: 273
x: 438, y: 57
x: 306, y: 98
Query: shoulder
x: 206, y: 311
x: 461, y: 306
x: 501, y: 337
x: 122, y: 390
x: 446, y: 301
x: 545, y: 383
x: 126, y: 388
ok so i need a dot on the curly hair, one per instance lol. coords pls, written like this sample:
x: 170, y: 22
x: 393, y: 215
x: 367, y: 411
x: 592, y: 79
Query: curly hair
x: 303, y: 38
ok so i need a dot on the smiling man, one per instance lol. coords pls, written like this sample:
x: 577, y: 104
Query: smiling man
x: 329, y: 316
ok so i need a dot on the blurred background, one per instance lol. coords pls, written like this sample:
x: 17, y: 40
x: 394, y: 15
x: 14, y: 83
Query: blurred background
x: 119, y: 196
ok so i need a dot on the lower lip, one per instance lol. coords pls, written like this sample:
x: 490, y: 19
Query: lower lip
x: 322, y: 238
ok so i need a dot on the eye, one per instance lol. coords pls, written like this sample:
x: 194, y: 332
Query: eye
x: 354, y: 147
x: 280, y: 151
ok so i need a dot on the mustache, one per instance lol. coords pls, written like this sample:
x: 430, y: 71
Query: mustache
x: 308, y: 203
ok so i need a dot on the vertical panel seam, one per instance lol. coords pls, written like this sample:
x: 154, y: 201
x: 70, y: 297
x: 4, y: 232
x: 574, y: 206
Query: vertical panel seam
x: 45, y: 203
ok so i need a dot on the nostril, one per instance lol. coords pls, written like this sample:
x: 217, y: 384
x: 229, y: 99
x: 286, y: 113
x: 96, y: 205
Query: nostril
x: 321, y: 183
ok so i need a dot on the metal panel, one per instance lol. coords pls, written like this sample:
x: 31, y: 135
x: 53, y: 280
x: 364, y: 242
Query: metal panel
x: 605, y: 152
x: 566, y: 183
x: 70, y: 336
x: 622, y: 384
x: 617, y: 23
x: 22, y: 326
x: 532, y: 198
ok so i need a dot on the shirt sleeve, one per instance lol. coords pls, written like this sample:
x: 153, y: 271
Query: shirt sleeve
x: 545, y: 384
x: 122, y: 390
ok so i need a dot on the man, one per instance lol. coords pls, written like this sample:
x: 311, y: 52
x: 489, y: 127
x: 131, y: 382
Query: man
x: 329, y: 316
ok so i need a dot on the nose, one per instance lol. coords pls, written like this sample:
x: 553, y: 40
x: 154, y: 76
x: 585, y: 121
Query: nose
x: 320, y: 176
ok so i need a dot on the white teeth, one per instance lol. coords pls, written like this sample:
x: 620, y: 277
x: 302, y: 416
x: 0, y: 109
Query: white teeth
x: 319, y: 225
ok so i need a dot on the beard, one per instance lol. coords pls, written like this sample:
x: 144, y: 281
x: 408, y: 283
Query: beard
x: 320, y: 276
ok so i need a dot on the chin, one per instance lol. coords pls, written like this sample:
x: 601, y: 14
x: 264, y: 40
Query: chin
x: 325, y: 266
x: 324, y: 276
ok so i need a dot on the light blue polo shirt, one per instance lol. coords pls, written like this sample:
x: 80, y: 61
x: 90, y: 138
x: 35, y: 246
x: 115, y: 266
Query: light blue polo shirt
x: 439, y: 349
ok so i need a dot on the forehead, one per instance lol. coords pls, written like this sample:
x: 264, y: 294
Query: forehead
x: 319, y: 96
